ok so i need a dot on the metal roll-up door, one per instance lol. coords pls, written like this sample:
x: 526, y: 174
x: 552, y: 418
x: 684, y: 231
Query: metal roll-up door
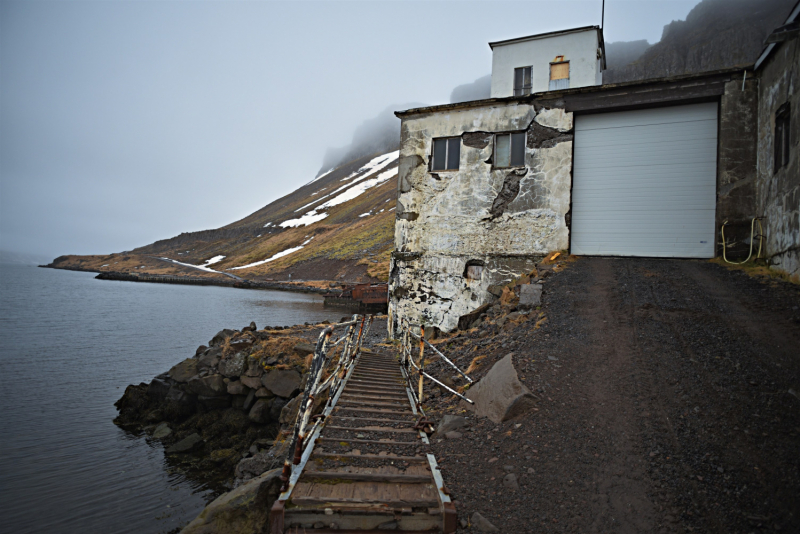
x: 644, y: 182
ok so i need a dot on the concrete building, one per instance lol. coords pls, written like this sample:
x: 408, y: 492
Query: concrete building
x: 652, y: 169
x: 547, y: 61
x: 777, y: 187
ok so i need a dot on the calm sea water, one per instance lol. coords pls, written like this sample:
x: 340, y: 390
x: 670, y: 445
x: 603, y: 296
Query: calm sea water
x: 70, y: 344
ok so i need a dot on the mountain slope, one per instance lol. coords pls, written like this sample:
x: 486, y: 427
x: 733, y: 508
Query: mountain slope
x: 716, y: 34
x: 337, y: 227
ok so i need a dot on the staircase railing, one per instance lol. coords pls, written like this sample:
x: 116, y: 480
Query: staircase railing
x: 410, y: 339
x: 337, y: 367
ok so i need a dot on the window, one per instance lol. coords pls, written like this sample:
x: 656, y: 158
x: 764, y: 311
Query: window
x: 781, y: 137
x: 509, y: 150
x: 559, y: 74
x: 446, y: 153
x: 522, y: 81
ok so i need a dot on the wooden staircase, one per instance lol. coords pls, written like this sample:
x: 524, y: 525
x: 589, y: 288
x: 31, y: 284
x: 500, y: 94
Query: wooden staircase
x: 368, y: 469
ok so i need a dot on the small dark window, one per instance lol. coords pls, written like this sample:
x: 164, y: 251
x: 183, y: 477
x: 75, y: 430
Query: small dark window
x: 446, y: 154
x: 509, y: 150
x: 522, y: 81
x: 473, y: 270
x: 782, y: 137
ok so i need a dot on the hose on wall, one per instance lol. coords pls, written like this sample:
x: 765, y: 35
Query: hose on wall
x: 752, y: 235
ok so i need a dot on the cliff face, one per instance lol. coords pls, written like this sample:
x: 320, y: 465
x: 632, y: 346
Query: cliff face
x: 716, y: 34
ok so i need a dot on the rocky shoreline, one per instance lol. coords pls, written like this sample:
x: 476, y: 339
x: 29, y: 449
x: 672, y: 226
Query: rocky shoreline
x: 219, y: 412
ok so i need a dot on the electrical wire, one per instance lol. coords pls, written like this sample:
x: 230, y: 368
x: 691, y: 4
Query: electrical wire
x: 752, y: 234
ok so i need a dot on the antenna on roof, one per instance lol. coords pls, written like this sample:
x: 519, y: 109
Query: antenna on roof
x: 603, y: 15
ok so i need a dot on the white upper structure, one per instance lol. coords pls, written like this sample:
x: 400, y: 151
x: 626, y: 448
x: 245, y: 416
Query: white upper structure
x: 548, y: 61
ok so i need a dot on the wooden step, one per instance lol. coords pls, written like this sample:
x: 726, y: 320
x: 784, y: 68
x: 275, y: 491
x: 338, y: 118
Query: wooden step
x: 383, y: 429
x: 406, y: 413
x: 346, y: 401
x: 373, y: 441
x: 392, y: 478
x: 350, y: 418
x: 393, y: 457
x: 372, y: 396
x: 314, y: 501
x: 380, y: 391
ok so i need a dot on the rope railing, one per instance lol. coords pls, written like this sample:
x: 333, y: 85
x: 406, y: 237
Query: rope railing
x: 322, y: 362
x: 407, y: 339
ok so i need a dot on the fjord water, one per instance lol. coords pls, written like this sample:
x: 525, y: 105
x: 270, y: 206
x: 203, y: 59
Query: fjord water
x: 70, y: 346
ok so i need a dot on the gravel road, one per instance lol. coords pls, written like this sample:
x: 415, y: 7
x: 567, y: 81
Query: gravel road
x: 669, y: 403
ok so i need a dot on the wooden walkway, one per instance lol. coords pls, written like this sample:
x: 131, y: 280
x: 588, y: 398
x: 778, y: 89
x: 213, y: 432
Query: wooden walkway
x: 369, y: 469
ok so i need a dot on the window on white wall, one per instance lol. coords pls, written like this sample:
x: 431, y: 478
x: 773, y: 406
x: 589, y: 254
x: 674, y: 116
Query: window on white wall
x: 509, y: 150
x: 522, y: 81
x: 559, y: 73
x: 446, y: 154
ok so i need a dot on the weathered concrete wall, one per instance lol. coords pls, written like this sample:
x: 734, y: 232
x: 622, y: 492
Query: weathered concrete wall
x: 778, y: 192
x: 737, y: 162
x: 501, y: 219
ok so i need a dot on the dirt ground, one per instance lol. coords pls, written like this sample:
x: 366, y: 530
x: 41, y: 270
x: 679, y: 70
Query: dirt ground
x: 669, y: 403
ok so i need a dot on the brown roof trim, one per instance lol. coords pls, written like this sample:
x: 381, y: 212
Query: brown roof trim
x: 552, y: 95
x: 541, y: 35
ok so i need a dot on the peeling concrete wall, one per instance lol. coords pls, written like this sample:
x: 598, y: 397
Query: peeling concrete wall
x: 778, y: 193
x: 502, y: 219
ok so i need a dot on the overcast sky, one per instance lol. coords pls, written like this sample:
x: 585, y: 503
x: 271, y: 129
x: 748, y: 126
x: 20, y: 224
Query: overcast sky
x: 124, y: 122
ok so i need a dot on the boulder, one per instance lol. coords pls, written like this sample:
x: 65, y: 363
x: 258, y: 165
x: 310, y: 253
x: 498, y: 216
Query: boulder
x: 282, y: 382
x: 176, y: 394
x: 183, y: 371
x: 235, y: 387
x: 241, y: 344
x: 254, y: 368
x: 187, y: 444
x: 289, y: 410
x: 275, y: 409
x: 530, y: 295
x: 264, y: 393
x: 215, y: 403
x: 305, y: 348
x: 210, y: 358
x: 233, y: 365
x: 450, y: 423
x: 158, y: 389
x: 253, y: 382
x: 162, y: 431
x: 255, y: 465
x: 221, y: 336
x: 465, y: 321
x: 208, y: 386
x: 200, y: 350
x: 500, y: 395
x: 244, y: 509
x: 260, y: 412
x: 249, y: 400
x: 481, y: 524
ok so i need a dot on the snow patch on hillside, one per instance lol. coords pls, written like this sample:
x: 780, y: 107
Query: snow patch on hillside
x: 348, y: 191
x: 212, y: 261
x: 274, y: 257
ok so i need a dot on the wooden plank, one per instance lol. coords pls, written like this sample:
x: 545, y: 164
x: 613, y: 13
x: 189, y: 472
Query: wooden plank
x: 375, y: 442
x: 368, y: 477
x: 374, y: 429
x: 393, y: 457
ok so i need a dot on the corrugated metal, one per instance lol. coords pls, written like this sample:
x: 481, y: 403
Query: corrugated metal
x: 644, y: 182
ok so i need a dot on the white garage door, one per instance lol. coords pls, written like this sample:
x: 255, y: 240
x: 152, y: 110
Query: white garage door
x: 644, y: 182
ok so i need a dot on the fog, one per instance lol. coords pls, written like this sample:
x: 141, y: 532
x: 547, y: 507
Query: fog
x: 124, y: 122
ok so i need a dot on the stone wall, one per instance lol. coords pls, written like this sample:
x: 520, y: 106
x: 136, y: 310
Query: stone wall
x: 500, y: 221
x: 778, y: 193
